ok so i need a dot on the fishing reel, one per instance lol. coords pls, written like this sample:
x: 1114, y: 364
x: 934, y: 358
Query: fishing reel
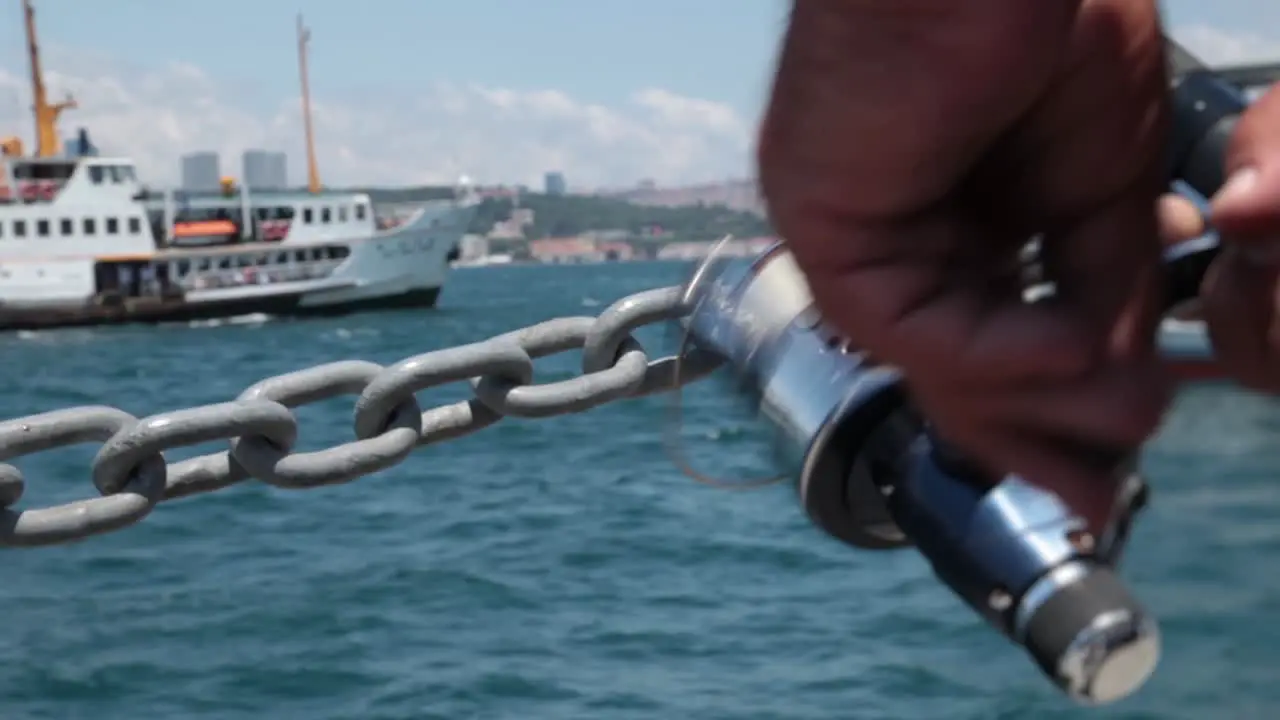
x: 871, y: 472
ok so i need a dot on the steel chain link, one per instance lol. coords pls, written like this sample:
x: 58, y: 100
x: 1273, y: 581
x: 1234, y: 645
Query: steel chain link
x: 132, y: 475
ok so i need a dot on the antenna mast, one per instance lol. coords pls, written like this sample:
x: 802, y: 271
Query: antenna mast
x: 313, y: 175
x: 47, y: 142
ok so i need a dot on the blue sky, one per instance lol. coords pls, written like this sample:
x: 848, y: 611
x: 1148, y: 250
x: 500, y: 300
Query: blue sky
x: 609, y: 91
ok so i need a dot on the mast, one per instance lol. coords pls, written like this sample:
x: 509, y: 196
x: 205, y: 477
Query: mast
x: 47, y: 142
x: 313, y: 175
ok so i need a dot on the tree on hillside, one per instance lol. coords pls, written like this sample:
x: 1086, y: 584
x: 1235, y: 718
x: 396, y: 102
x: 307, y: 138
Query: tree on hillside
x: 565, y: 215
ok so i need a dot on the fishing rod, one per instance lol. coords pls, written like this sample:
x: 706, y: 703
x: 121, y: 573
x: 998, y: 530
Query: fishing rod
x: 871, y: 472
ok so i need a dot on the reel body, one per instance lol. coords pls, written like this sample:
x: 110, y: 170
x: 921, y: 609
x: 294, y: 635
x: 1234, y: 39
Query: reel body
x: 869, y: 472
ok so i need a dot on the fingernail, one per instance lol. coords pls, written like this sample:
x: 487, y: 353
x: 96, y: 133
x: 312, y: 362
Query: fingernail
x: 1238, y: 188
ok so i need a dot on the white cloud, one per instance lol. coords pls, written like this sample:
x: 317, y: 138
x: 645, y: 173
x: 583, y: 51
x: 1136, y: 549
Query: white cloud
x: 433, y: 135
x: 1221, y: 47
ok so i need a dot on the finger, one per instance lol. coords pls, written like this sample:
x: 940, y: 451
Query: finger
x: 1118, y: 407
x: 1179, y: 219
x: 1094, y: 153
x: 1247, y: 208
x: 903, y: 293
x: 863, y: 139
x: 1238, y: 300
x: 1108, y: 264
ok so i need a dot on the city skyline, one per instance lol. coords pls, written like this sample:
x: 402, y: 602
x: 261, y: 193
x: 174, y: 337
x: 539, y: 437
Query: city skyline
x: 258, y: 169
x: 607, y: 94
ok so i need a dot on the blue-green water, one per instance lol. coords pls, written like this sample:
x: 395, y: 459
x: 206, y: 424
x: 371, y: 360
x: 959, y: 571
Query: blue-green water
x: 564, y: 568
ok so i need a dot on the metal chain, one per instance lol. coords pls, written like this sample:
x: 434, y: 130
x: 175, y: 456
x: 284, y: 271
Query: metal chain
x: 132, y: 475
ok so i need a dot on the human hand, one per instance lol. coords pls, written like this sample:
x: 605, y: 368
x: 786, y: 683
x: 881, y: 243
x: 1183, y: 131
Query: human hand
x: 909, y: 150
x: 1240, y: 292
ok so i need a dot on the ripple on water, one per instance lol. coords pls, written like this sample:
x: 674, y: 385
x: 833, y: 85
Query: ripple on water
x: 564, y: 568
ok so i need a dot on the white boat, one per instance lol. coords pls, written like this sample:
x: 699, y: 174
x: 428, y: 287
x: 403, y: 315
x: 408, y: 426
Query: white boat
x: 82, y: 242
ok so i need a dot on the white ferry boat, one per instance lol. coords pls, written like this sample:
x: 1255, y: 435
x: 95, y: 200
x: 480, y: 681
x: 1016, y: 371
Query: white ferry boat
x: 83, y: 242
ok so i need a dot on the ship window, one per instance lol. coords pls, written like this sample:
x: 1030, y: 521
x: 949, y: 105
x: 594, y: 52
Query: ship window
x: 342, y: 213
x: 115, y: 174
x: 307, y: 215
x: 66, y: 226
x: 90, y: 226
x: 19, y: 228
x: 360, y: 211
x: 96, y: 173
x: 261, y: 213
x: 282, y: 258
x: 135, y: 225
x: 325, y: 215
x: 127, y: 172
x: 299, y: 256
x: 113, y: 226
x: 42, y: 228
x: 184, y: 267
x: 224, y: 264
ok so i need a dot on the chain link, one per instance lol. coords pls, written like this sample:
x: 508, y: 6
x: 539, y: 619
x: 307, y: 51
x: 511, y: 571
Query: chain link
x: 132, y: 476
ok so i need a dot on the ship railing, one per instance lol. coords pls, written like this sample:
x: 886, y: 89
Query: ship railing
x: 219, y: 279
x: 388, y: 216
x: 31, y: 191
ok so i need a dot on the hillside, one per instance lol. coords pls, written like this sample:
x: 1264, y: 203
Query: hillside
x: 567, y: 215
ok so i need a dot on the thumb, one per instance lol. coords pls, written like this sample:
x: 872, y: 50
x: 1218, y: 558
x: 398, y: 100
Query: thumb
x: 1246, y: 211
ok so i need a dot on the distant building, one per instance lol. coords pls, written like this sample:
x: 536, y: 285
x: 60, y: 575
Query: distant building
x: 741, y: 195
x: 80, y: 145
x: 565, y: 251
x: 578, y: 250
x: 522, y: 217
x: 553, y: 183
x: 263, y: 170
x: 200, y: 172
x: 473, y: 247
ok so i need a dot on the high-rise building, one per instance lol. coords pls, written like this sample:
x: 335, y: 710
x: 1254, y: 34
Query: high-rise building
x: 200, y: 172
x: 553, y: 183
x: 80, y: 145
x: 264, y: 170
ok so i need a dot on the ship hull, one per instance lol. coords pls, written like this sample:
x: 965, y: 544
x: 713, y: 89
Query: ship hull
x: 283, y: 305
x: 404, y: 267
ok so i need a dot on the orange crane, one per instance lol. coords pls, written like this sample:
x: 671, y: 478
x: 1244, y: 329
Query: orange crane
x: 48, y: 144
x: 313, y: 175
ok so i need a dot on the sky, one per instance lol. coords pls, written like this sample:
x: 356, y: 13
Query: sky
x: 609, y: 92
